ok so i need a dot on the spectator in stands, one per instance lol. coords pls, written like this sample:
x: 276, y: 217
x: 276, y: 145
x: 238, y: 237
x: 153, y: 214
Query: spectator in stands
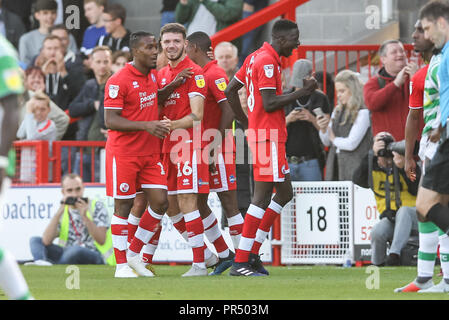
x: 11, y: 26
x: 117, y: 37
x: 387, y: 93
x: 60, y: 85
x: 73, y: 61
x: 87, y: 105
x: 119, y: 60
x: 168, y: 11
x: 31, y: 42
x: 348, y: 132
x: 305, y: 152
x: 383, y: 172
x: 81, y: 225
x: 208, y: 16
x: 34, y: 82
x: 35, y: 126
x: 330, y: 86
x: 249, y: 39
x: 226, y: 54
x: 93, y: 10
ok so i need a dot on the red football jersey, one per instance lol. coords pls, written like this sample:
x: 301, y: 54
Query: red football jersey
x: 216, y: 82
x: 177, y: 106
x: 262, y: 70
x: 136, y: 96
x: 416, y: 99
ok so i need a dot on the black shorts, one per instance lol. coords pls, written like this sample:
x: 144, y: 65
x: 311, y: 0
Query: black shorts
x: 437, y: 173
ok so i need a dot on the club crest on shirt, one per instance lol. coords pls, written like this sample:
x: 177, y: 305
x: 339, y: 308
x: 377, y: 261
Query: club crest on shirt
x: 199, y: 79
x: 269, y: 69
x: 221, y: 84
x: 124, y: 187
x: 113, y: 91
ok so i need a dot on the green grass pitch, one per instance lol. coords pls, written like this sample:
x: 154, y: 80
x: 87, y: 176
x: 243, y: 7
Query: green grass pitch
x: 88, y: 282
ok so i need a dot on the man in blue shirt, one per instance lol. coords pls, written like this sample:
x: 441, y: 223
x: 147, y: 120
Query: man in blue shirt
x: 433, y: 195
x: 93, y: 10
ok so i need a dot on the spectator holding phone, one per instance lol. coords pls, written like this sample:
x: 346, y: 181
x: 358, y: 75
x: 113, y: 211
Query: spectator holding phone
x: 81, y: 224
x: 305, y: 152
x: 348, y: 131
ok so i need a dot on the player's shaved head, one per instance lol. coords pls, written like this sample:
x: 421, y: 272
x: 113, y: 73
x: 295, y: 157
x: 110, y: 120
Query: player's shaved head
x: 201, y: 40
x: 282, y: 27
x: 136, y: 37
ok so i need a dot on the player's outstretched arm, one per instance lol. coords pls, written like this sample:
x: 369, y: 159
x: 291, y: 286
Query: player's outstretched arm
x: 197, y: 107
x: 273, y: 102
x: 115, y: 121
x: 232, y: 93
x: 165, y: 92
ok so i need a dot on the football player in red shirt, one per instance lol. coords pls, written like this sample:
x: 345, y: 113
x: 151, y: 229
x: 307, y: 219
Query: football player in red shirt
x: 133, y: 147
x: 217, y: 121
x: 187, y: 174
x: 267, y: 134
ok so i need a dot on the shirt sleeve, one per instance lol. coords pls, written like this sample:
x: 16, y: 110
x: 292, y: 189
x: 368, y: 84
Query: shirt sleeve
x: 416, y: 99
x: 240, y: 74
x: 266, y: 73
x: 197, y: 86
x: 217, y: 85
x: 358, y: 130
x: 114, y: 94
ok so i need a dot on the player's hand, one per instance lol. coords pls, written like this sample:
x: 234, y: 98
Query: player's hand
x: 410, y: 168
x: 157, y: 129
x: 210, y: 53
x: 181, y: 76
x: 310, y: 84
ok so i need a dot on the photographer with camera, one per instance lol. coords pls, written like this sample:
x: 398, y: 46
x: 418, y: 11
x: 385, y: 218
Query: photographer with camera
x: 81, y: 224
x: 382, y: 170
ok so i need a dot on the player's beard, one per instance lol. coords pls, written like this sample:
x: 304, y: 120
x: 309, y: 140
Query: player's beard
x: 177, y: 57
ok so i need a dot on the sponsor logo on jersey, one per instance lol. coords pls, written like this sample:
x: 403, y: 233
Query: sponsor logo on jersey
x: 113, y: 91
x: 185, y: 182
x: 200, y: 82
x: 269, y: 70
x: 221, y: 84
x: 135, y: 84
x: 231, y: 178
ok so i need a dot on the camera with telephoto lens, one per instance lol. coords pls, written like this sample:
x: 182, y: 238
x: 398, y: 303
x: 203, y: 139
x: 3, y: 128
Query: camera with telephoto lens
x: 73, y: 200
x: 390, y: 146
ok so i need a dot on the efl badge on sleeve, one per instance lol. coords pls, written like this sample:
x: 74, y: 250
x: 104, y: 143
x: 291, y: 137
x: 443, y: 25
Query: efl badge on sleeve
x: 199, y: 79
x: 269, y: 69
x: 113, y: 91
x: 221, y: 84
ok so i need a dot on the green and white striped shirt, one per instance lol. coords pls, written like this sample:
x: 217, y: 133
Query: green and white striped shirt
x: 431, y: 107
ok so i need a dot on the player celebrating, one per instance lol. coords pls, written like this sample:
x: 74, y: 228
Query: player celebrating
x: 267, y: 134
x: 133, y: 147
x: 218, y: 116
x: 187, y: 175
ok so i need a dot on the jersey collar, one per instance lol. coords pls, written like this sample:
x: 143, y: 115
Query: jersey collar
x: 266, y: 46
x: 209, y: 65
